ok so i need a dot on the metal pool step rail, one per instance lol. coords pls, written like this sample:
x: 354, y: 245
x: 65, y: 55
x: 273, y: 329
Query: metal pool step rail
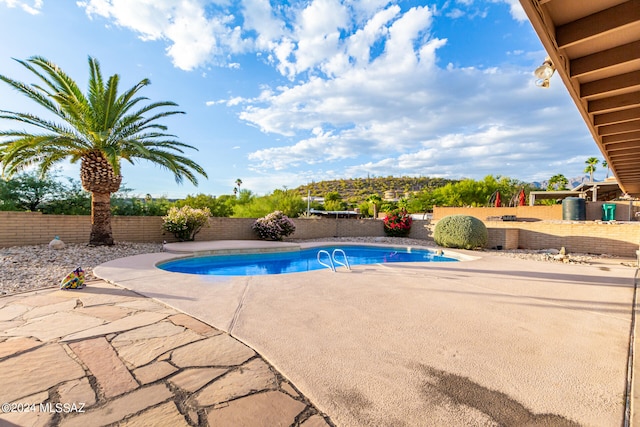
x: 332, y: 259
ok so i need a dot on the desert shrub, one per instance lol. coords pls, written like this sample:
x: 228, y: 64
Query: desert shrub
x: 185, y: 222
x: 460, y: 231
x: 274, y: 226
x: 397, y: 223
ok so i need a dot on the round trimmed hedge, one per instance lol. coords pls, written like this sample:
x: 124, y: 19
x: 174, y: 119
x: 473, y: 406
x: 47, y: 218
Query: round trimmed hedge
x: 460, y: 231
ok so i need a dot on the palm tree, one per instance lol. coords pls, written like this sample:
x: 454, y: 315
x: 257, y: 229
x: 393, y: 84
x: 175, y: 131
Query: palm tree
x: 99, y: 129
x: 557, y: 182
x: 375, y: 200
x: 605, y: 164
x: 591, y: 167
x: 238, y: 184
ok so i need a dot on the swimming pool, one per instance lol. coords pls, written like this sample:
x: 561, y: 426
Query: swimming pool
x: 296, y: 261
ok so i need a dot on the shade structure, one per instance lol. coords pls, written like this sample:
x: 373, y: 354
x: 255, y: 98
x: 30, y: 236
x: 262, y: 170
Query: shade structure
x: 498, y: 201
x: 522, y: 198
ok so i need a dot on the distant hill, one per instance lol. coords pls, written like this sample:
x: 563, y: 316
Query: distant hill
x: 361, y: 188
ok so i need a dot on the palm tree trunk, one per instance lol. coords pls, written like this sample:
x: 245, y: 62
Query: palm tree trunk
x: 101, y: 234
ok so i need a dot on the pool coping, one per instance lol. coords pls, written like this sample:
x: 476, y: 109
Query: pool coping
x: 229, y: 247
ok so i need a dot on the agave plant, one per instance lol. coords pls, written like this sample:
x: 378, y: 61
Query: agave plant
x: 100, y: 129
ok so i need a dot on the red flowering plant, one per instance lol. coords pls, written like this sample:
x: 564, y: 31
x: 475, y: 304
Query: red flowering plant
x: 397, y: 223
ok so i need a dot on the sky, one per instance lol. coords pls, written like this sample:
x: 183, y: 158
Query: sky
x: 282, y: 93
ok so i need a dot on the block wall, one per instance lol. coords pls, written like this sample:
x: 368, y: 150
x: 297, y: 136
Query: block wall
x: 27, y: 228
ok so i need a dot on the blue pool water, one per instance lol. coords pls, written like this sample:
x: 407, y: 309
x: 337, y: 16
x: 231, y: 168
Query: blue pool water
x: 295, y: 261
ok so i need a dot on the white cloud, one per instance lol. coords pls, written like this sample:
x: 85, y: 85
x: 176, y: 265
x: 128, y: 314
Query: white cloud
x: 516, y: 10
x: 32, y: 8
x: 195, y: 36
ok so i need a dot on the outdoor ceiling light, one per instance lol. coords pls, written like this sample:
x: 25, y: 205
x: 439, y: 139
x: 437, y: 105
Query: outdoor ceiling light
x: 544, y: 73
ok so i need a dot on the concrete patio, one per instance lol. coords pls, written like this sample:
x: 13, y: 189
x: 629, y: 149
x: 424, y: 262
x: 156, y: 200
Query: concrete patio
x: 490, y: 341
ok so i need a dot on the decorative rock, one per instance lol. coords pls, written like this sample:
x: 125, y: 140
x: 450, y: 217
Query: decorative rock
x: 252, y: 377
x: 270, y: 409
x: 56, y: 244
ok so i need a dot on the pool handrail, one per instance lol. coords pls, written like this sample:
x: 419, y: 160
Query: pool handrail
x: 330, y: 266
x: 346, y: 260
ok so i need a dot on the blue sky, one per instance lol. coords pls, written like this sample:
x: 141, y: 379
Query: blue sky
x: 282, y: 93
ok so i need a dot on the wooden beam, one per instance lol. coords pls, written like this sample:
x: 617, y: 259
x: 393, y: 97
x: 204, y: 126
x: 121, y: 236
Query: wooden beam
x: 631, y: 158
x: 622, y: 145
x: 612, y: 103
x: 616, y: 116
x: 610, y: 84
x: 630, y: 126
x: 622, y: 137
x: 605, y: 59
x: 598, y: 24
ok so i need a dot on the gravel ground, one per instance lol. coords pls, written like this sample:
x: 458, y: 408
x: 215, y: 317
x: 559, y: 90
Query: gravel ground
x: 26, y: 268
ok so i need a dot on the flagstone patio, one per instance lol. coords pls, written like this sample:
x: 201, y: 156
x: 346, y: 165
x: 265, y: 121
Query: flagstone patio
x: 105, y: 355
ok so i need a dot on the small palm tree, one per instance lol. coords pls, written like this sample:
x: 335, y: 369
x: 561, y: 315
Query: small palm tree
x: 591, y: 167
x: 99, y: 129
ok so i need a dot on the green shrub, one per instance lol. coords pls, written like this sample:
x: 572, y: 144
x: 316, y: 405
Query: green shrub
x: 460, y: 231
x: 185, y: 222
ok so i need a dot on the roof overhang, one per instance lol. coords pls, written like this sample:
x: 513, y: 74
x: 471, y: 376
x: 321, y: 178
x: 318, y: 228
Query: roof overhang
x: 595, y: 47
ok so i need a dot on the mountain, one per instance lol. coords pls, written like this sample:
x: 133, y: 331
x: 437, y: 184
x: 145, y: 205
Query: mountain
x: 361, y: 188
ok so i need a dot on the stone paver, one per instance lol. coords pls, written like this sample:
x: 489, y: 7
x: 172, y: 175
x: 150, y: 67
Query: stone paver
x: 314, y: 421
x: 99, y: 356
x: 220, y: 350
x: 155, y: 371
x: 250, y: 377
x: 141, y: 352
x: 193, y: 324
x: 129, y: 361
x: 270, y: 409
x: 126, y: 323
x: 46, y: 310
x: 77, y: 391
x: 17, y: 345
x: 193, y: 379
x: 11, y: 311
x: 35, y: 371
x: 55, y: 325
x: 166, y: 414
x: 121, y: 407
x: 106, y: 312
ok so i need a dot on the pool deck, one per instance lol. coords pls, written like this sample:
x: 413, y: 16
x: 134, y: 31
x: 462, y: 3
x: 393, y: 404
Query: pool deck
x: 489, y: 341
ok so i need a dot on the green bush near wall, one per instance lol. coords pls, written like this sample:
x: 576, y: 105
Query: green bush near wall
x: 460, y: 231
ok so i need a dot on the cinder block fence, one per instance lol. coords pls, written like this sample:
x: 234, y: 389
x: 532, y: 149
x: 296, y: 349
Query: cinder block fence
x: 618, y: 238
